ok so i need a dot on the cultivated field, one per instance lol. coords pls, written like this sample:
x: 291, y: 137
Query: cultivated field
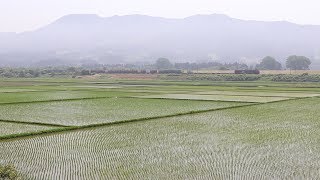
x: 262, y: 71
x: 219, y: 97
x: 109, y: 129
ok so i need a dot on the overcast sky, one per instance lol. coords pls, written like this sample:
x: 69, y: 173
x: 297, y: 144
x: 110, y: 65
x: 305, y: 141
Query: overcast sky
x: 23, y: 15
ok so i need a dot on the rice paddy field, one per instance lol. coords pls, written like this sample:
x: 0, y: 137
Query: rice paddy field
x: 103, y: 129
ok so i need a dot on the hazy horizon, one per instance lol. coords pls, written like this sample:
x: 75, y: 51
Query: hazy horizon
x: 100, y: 16
x: 76, y: 31
x: 17, y: 16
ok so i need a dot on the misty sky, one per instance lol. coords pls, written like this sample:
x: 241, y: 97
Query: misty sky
x: 22, y: 15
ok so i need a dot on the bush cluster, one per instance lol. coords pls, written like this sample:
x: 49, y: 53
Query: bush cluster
x: 9, y: 172
x: 296, y: 78
x: 40, y: 72
x: 253, y: 77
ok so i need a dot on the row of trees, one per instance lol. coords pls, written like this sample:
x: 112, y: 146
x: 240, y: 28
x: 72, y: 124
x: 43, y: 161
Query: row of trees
x: 46, y: 72
x: 163, y: 63
x: 293, y: 62
x: 268, y: 63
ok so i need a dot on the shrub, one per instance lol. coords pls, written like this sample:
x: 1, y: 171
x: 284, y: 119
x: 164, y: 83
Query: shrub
x: 8, y: 172
x: 255, y: 77
x: 296, y: 78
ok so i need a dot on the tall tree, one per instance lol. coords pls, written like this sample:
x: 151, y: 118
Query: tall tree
x: 298, y: 62
x: 269, y: 63
x: 163, y: 63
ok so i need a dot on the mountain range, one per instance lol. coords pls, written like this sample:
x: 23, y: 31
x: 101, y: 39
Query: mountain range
x: 88, y: 38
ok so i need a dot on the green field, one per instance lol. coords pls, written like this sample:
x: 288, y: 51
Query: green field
x: 20, y: 97
x: 106, y: 110
x: 234, y: 98
x: 258, y: 94
x: 9, y: 128
x: 102, y: 129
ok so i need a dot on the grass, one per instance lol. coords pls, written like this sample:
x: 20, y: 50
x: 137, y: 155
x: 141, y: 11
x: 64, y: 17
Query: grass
x: 253, y: 142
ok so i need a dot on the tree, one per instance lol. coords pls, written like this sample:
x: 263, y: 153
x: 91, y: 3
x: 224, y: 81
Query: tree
x: 163, y: 63
x: 85, y: 72
x: 269, y: 63
x: 298, y: 62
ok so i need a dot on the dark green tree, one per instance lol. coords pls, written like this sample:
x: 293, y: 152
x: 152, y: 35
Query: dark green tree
x: 269, y: 63
x: 298, y: 62
x: 163, y: 63
x: 85, y: 72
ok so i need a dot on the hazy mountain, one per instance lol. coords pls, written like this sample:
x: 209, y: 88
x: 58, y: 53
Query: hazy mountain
x: 132, y: 38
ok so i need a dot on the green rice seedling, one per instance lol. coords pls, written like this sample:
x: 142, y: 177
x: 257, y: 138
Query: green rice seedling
x: 216, y: 97
x: 23, y: 97
x: 258, y: 94
x: 265, y: 141
x: 11, y: 128
x: 97, y: 111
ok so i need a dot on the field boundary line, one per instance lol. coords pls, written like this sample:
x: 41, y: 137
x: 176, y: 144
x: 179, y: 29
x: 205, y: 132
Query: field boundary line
x: 36, y: 91
x: 48, y: 90
x: 257, y: 95
x: 71, y: 128
x: 211, y: 83
x: 33, y: 123
x: 35, y: 133
x: 200, y: 93
x: 208, y: 100
x: 55, y: 100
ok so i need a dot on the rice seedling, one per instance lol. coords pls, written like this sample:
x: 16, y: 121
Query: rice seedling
x: 256, y: 142
x: 234, y: 98
x: 170, y: 130
x: 17, y: 128
x: 22, y: 97
x: 260, y: 94
x: 96, y: 111
x: 13, y: 90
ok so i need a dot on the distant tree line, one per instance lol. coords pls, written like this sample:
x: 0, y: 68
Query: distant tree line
x: 161, y: 66
x: 268, y: 63
x: 163, y: 63
x: 292, y: 62
x: 249, y: 77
